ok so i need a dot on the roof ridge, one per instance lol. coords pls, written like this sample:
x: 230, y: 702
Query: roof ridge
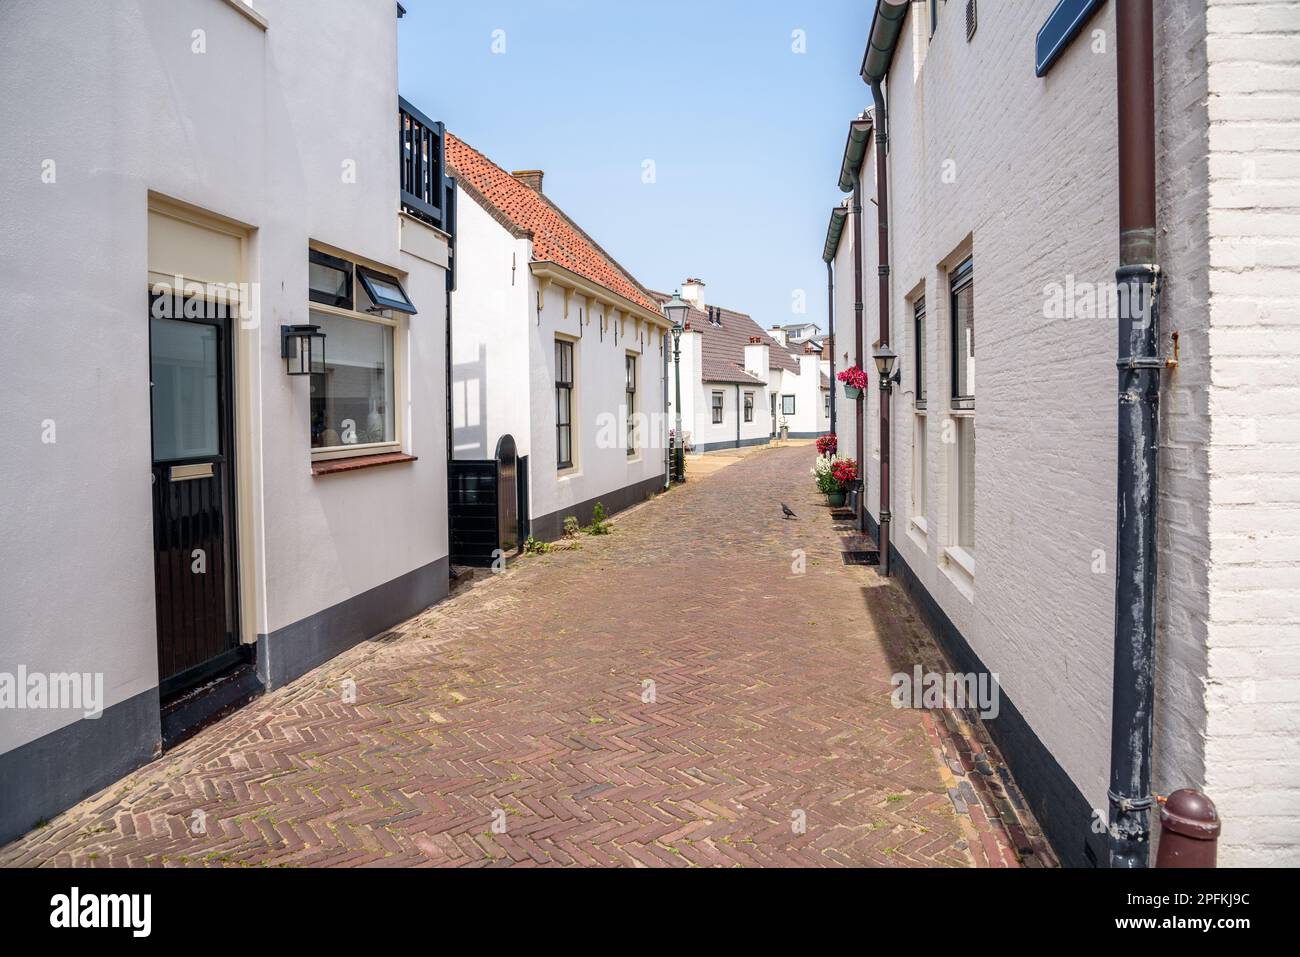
x: 598, y: 247
x: 557, y: 237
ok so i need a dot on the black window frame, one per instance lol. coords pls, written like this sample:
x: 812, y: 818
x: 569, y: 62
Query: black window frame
x: 784, y: 410
x: 345, y: 266
x: 959, y: 280
x: 934, y: 16
x: 749, y: 407
x: 629, y: 394
x: 717, y: 401
x: 918, y: 357
x: 369, y: 276
x: 563, y: 402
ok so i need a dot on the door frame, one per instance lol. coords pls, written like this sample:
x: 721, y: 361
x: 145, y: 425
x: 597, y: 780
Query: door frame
x: 243, y: 328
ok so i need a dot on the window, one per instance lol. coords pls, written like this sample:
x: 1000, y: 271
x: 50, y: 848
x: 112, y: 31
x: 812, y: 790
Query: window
x: 787, y: 405
x: 965, y: 531
x: 963, y: 336
x: 329, y: 280
x: 563, y: 404
x: 919, y: 465
x: 385, y: 291
x: 352, y: 400
x: 826, y: 402
x: 963, y: 403
x: 918, y: 357
x: 186, y: 375
x: 749, y: 407
x: 717, y: 408
x: 629, y: 368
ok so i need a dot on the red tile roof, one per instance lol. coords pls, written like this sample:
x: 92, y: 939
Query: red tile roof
x: 722, y: 347
x: 556, y: 238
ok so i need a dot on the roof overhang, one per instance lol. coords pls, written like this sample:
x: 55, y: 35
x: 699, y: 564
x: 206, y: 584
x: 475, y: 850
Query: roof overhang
x: 855, y: 147
x: 834, y: 230
x: 882, y: 40
x: 552, y: 272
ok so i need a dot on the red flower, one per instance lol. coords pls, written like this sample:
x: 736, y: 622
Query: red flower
x: 845, y: 472
x: 854, y: 377
x: 827, y: 444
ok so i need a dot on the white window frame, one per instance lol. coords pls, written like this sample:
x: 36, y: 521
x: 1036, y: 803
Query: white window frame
x: 962, y: 416
x: 397, y: 443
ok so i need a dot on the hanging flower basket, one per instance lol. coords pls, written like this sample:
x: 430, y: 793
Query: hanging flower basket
x: 855, y: 380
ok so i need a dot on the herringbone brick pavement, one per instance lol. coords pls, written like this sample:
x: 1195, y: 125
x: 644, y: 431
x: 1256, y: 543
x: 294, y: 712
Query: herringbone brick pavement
x: 673, y: 694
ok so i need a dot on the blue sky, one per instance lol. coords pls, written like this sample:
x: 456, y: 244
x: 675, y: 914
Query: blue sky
x: 745, y: 135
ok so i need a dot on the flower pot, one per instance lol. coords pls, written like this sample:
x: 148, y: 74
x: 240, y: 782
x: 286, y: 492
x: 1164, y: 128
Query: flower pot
x: 835, y: 499
x: 852, y: 393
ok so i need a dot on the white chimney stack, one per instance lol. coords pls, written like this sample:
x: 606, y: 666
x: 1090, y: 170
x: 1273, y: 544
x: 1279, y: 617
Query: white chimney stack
x: 693, y: 292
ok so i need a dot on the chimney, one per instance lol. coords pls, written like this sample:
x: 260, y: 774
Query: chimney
x: 778, y: 334
x: 693, y: 292
x: 529, y: 177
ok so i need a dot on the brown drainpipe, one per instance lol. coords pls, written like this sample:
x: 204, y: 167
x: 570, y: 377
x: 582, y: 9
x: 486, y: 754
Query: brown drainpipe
x: 857, y: 331
x: 882, y: 215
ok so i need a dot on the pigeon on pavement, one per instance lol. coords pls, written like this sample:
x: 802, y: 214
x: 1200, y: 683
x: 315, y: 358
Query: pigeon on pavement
x: 786, y: 509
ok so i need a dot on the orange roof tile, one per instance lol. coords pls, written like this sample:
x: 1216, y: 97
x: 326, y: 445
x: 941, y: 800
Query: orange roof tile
x: 556, y: 238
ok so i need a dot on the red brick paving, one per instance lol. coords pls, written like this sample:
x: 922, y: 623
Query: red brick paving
x: 518, y: 702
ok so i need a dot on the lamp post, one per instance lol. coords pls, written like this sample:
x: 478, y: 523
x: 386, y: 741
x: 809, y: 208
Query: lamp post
x: 885, y: 359
x: 676, y: 309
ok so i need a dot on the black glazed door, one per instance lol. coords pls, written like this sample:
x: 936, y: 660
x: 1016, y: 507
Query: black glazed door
x: 192, y: 493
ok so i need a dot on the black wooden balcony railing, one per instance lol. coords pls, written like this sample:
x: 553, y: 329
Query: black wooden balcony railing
x: 423, y: 161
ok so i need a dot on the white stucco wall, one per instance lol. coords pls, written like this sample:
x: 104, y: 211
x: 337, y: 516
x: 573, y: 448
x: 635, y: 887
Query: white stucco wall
x: 257, y: 129
x: 603, y: 337
x: 488, y: 347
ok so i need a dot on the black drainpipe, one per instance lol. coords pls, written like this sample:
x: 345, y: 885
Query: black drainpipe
x: 1139, y: 362
x: 830, y: 332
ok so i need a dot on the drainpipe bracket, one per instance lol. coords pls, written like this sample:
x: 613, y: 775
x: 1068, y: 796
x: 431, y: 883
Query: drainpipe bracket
x: 1131, y: 804
x: 1146, y: 362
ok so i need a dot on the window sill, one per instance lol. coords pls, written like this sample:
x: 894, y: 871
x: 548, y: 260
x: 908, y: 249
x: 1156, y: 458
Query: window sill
x: 962, y: 559
x: 246, y: 9
x: 918, y: 522
x: 331, y: 466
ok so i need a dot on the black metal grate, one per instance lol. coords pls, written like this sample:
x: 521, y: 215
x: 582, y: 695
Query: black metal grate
x: 972, y: 19
x: 861, y: 558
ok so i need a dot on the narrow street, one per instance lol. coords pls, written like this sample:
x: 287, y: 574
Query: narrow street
x: 672, y: 694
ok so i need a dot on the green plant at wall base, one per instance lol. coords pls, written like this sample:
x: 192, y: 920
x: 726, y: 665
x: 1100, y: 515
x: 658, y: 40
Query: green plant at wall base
x: 571, y: 526
x: 600, y: 523
x: 533, y: 546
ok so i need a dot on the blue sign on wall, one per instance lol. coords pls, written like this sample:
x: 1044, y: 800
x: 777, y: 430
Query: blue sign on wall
x: 1063, y: 25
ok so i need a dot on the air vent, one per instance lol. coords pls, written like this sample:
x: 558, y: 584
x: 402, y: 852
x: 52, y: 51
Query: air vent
x: 972, y: 19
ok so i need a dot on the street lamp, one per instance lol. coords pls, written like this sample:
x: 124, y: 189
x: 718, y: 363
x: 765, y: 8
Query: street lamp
x: 676, y: 309
x: 885, y: 358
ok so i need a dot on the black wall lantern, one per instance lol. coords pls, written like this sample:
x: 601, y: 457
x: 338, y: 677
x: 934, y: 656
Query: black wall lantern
x: 303, y: 349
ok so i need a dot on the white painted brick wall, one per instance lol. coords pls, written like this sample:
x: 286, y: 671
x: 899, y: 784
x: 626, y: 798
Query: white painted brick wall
x: 1252, y: 692
x: 1035, y: 191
